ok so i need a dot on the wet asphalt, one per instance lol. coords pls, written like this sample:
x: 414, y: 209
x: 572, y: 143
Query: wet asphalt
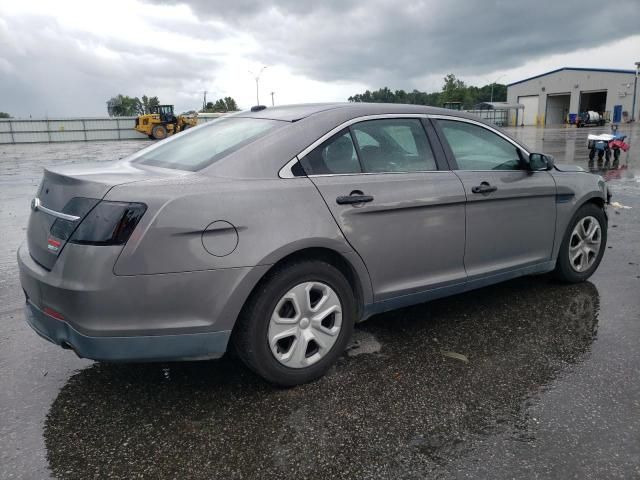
x: 527, y: 379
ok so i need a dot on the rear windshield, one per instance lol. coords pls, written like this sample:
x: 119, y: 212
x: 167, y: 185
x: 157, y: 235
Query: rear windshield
x: 207, y: 144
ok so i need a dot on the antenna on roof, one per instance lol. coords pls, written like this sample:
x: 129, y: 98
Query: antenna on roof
x: 257, y: 108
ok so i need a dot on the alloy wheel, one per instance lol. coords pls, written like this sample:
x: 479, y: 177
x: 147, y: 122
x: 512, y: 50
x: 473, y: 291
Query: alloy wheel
x: 584, y: 244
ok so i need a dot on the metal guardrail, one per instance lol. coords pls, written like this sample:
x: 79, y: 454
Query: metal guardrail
x: 85, y: 129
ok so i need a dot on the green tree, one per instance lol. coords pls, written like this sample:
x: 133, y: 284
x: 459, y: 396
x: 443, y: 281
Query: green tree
x: 148, y: 103
x: 222, y: 105
x: 125, y: 106
x: 453, y: 90
x: 4, y: 115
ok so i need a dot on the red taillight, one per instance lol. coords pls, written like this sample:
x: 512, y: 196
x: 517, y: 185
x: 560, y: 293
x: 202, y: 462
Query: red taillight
x: 53, y: 313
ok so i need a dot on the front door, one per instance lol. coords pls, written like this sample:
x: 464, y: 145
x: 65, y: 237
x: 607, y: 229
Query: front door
x: 403, y: 216
x: 511, y: 210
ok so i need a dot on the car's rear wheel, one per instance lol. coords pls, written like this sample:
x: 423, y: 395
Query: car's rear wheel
x: 297, y: 323
x: 583, y: 245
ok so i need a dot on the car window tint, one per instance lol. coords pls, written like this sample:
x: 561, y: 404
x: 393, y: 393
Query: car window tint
x: 477, y: 148
x: 200, y: 147
x: 334, y: 156
x: 399, y: 145
x: 364, y: 139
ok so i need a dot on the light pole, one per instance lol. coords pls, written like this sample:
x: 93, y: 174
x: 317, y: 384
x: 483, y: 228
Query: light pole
x: 257, y: 77
x: 635, y: 89
x: 494, y: 82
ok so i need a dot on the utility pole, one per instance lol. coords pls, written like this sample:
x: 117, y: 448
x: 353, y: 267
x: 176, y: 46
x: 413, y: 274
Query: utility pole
x: 204, y: 101
x: 272, y: 101
x: 257, y: 77
x: 635, y: 92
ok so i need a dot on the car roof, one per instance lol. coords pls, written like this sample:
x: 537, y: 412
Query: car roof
x: 293, y: 113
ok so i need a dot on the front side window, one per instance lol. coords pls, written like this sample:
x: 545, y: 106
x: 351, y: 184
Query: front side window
x: 477, y: 148
x: 393, y: 145
x: 336, y: 155
x: 200, y: 147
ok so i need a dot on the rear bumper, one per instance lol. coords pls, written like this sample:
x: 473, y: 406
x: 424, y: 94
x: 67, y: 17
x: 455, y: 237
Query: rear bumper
x: 175, y: 316
x: 194, y: 346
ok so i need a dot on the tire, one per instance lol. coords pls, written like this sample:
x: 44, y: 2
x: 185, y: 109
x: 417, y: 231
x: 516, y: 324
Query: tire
x: 573, y: 244
x: 254, y: 337
x: 159, y: 132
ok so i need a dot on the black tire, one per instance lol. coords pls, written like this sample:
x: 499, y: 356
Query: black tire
x: 564, y: 270
x: 250, y: 337
x: 159, y: 132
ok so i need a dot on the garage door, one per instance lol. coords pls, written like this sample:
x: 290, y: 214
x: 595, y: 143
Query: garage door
x: 530, y: 110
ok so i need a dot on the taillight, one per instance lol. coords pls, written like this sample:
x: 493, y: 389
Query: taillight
x: 109, y: 223
x: 100, y: 223
x: 77, y: 206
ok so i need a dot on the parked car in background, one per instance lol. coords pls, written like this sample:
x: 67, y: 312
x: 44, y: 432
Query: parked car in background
x: 274, y: 230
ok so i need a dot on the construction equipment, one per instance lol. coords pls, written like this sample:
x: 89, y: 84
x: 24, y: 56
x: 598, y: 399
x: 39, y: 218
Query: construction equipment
x: 161, y: 122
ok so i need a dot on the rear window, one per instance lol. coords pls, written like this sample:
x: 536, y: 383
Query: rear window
x: 207, y: 144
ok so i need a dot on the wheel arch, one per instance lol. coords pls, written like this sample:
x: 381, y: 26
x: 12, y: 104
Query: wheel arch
x: 565, y: 218
x: 349, y: 264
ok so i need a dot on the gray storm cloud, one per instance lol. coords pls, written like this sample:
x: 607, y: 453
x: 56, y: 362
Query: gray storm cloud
x: 389, y: 41
x: 45, y: 68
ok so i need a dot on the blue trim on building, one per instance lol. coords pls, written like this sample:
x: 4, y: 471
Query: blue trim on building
x: 577, y: 69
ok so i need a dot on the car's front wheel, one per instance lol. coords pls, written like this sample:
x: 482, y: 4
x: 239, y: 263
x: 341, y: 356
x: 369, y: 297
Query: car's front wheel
x: 297, y: 323
x: 583, y: 245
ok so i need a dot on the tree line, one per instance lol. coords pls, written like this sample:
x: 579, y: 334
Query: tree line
x: 125, y: 106
x: 453, y: 90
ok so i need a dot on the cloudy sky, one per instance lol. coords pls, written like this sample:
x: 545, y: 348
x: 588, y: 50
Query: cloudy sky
x: 67, y: 57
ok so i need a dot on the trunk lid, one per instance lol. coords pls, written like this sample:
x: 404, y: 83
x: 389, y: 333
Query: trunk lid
x: 58, y: 187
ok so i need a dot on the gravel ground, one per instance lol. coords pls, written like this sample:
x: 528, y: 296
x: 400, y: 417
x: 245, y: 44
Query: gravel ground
x: 543, y: 382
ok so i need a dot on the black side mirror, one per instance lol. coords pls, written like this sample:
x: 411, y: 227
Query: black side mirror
x: 540, y: 161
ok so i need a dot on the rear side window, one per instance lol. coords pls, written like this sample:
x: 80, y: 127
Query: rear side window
x: 336, y: 155
x: 200, y: 147
x: 394, y: 145
x: 381, y: 146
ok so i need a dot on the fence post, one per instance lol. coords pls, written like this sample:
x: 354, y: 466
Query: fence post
x: 84, y: 129
x: 118, y: 125
x: 48, y: 130
x: 13, y: 138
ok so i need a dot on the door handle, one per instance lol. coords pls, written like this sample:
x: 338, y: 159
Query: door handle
x: 354, y: 198
x: 484, y: 187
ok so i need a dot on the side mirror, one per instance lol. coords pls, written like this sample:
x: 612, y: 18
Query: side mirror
x: 540, y: 161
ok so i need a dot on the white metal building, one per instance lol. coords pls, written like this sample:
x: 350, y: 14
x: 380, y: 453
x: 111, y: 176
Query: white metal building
x: 550, y: 98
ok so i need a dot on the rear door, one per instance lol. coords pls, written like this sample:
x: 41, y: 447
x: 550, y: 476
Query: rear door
x: 511, y: 210
x: 396, y: 203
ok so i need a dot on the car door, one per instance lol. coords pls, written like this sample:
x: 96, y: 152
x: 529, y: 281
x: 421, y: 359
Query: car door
x: 510, y: 210
x: 400, y: 212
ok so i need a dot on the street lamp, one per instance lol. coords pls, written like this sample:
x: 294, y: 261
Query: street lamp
x: 494, y: 82
x: 257, y: 77
x: 635, y: 88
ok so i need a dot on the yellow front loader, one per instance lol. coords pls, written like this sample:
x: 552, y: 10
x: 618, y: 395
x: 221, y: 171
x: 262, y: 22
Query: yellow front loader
x: 162, y: 122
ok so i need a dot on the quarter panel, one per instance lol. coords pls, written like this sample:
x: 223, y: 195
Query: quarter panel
x: 266, y: 215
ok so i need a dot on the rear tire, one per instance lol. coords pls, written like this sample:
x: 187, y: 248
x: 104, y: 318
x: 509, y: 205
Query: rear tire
x: 159, y: 132
x: 583, y: 245
x: 283, y: 336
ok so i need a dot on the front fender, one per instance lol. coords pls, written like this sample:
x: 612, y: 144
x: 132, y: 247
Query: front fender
x: 574, y: 189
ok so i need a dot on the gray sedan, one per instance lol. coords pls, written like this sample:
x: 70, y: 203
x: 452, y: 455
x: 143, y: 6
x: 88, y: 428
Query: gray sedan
x: 272, y: 231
